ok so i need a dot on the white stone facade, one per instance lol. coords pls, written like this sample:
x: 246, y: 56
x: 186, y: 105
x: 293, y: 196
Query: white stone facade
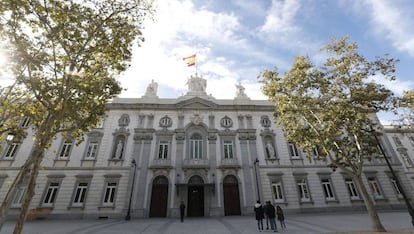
x: 195, y: 149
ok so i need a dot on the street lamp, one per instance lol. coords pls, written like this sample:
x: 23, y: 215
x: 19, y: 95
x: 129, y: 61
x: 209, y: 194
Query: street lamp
x: 134, y: 166
x: 9, y: 137
x: 407, y: 202
x: 255, y: 162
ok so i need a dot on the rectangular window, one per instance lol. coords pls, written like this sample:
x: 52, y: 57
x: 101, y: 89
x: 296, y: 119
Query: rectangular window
x: 397, y: 141
x: 92, y: 150
x: 375, y: 189
x: 25, y: 122
x: 80, y: 194
x: 277, y: 192
x: 11, y: 150
x: 109, y: 196
x: 411, y: 138
x: 18, y: 198
x: 163, y: 150
x: 395, y: 186
x: 293, y: 151
x: 327, y: 189
x: 352, y: 190
x: 406, y: 158
x: 51, y: 193
x: 65, y: 151
x: 196, y: 148
x: 228, y: 149
x: 303, y: 190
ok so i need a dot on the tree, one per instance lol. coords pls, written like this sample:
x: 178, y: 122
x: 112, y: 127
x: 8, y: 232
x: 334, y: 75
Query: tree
x: 406, y: 105
x: 66, y: 56
x: 330, y: 106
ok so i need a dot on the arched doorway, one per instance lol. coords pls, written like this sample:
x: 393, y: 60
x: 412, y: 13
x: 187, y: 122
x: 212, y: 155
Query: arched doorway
x: 159, y: 197
x: 195, y: 197
x: 231, y: 196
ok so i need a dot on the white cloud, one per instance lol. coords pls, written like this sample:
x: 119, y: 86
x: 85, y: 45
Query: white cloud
x: 395, y: 22
x: 180, y: 30
x: 396, y: 86
x: 280, y: 17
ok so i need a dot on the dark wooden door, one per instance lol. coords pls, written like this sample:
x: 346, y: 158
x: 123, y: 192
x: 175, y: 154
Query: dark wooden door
x: 159, y: 198
x: 231, y: 196
x: 195, y: 201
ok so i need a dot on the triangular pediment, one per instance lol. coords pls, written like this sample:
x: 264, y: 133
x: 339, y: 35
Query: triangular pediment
x: 196, y: 103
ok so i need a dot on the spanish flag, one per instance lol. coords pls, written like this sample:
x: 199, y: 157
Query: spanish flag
x: 190, y: 60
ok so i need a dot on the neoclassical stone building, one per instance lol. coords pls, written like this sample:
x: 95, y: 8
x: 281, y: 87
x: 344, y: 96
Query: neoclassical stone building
x: 217, y: 156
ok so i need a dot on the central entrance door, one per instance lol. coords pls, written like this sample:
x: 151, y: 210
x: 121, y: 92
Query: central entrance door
x: 159, y: 197
x: 195, y: 197
x: 231, y: 196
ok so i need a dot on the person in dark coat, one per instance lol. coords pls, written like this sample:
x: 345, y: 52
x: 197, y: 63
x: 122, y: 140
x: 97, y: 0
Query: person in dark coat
x: 280, y: 217
x: 272, y: 215
x: 266, y: 213
x: 182, y: 210
x: 259, y: 211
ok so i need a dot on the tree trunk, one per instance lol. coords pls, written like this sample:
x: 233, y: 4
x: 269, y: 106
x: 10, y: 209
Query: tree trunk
x: 18, y: 180
x: 369, y: 204
x: 38, y: 157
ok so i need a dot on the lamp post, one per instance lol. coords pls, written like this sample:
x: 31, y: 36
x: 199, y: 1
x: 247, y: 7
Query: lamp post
x: 407, y: 202
x: 255, y: 162
x: 134, y: 166
x: 9, y: 137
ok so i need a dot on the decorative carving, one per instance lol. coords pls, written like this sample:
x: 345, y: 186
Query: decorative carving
x: 212, y: 136
x: 226, y: 122
x: 265, y: 121
x: 197, y: 84
x: 180, y: 136
x: 243, y: 136
x: 165, y: 122
x: 197, y: 119
x: 124, y: 120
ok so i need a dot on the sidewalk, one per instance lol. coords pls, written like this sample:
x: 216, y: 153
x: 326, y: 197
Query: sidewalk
x: 394, y: 222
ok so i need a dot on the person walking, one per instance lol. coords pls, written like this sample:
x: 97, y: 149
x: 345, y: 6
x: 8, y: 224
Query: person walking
x: 182, y: 210
x: 259, y: 211
x: 272, y: 216
x: 280, y: 217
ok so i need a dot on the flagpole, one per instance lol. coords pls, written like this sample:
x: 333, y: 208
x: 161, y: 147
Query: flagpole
x: 196, y: 65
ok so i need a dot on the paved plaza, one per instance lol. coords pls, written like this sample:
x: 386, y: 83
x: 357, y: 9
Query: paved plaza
x: 395, y: 222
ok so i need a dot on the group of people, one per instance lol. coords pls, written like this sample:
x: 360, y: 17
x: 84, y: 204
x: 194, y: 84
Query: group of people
x: 269, y: 212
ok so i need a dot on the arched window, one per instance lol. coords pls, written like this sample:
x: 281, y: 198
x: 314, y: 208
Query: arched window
x: 196, y: 146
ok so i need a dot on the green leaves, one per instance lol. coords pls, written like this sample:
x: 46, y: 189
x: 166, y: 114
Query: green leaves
x: 327, y: 106
x: 67, y: 54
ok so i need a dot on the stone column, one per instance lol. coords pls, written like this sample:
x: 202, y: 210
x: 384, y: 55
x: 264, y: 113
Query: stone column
x: 143, y: 138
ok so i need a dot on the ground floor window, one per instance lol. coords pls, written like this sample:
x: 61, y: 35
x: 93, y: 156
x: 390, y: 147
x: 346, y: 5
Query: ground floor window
x: 109, y: 196
x: 50, y: 194
x: 328, y: 189
x: 352, y: 189
x: 277, y: 191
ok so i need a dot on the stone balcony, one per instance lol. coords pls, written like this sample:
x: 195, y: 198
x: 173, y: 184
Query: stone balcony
x: 196, y: 163
x: 160, y: 163
x: 229, y: 163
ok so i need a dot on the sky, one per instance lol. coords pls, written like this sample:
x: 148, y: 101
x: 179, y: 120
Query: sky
x: 234, y: 40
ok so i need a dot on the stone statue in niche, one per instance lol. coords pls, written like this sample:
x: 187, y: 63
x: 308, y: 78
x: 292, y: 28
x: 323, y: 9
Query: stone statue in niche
x: 119, y: 149
x: 271, y: 153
